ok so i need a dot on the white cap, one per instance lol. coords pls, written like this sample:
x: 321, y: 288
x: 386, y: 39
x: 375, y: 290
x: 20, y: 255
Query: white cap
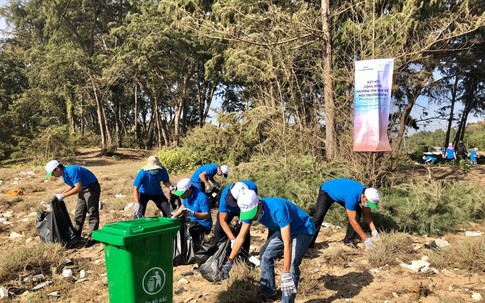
x: 237, y: 188
x: 248, y: 203
x: 372, y: 196
x: 225, y: 169
x: 49, y: 167
x: 182, y: 186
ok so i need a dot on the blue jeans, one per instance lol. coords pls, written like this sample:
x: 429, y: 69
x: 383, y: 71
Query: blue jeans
x: 274, y: 248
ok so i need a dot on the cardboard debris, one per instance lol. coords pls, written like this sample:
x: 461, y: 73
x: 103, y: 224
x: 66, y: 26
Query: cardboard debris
x: 15, y: 193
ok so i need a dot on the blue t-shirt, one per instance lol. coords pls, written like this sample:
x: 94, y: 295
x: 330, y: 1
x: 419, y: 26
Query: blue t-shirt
x: 450, y: 153
x: 209, y: 169
x: 430, y: 159
x: 199, y: 203
x: 150, y: 184
x: 278, y: 213
x: 73, y: 174
x: 346, y: 192
x: 473, y: 155
x: 224, y: 208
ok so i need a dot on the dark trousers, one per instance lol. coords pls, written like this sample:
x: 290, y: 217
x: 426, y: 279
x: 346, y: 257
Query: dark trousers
x: 220, y: 235
x: 87, y: 203
x: 160, y: 201
x: 324, y: 202
x: 197, y: 232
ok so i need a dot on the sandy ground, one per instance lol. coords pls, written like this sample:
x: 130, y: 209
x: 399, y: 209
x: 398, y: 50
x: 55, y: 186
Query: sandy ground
x: 353, y: 280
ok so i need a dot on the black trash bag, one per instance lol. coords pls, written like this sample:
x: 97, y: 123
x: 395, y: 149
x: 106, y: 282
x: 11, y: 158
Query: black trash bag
x: 175, y: 201
x: 56, y: 226
x: 184, y: 246
x: 212, y: 258
x: 214, y: 196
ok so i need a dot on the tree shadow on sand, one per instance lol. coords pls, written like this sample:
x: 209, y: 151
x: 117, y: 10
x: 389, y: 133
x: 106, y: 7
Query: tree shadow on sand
x: 347, y: 286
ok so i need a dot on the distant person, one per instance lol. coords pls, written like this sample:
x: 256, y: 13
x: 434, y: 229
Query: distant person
x: 147, y: 186
x: 293, y: 231
x: 461, y: 152
x: 450, y: 153
x: 228, y: 209
x: 473, y: 156
x: 195, y: 207
x: 356, y: 199
x: 201, y: 177
x: 84, y: 183
x: 429, y: 159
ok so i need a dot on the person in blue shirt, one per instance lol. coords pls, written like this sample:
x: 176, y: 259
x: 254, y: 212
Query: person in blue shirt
x: 83, y: 183
x: 450, y: 153
x: 146, y: 187
x: 196, y: 208
x: 228, y: 209
x: 429, y: 159
x: 201, y: 177
x: 473, y: 156
x: 293, y: 231
x: 356, y: 199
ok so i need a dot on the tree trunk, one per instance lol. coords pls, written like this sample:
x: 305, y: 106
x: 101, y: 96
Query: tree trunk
x: 158, y: 130
x: 102, y: 128
x: 135, y: 119
x: 452, y: 109
x: 330, y: 137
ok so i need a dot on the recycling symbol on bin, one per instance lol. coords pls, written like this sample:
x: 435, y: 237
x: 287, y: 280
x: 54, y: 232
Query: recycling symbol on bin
x: 153, y: 280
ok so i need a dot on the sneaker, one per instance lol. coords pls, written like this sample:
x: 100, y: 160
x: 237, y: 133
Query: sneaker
x: 89, y: 243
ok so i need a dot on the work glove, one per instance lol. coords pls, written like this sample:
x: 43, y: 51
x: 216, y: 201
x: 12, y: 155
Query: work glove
x: 369, y: 244
x: 136, y: 208
x: 375, y: 233
x: 226, y: 268
x: 208, y: 188
x: 173, y: 187
x: 288, y: 286
x: 59, y: 197
x: 188, y: 213
x: 232, y: 243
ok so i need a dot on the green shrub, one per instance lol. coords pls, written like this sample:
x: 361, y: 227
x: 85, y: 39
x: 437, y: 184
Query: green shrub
x: 53, y: 142
x: 178, y: 160
x: 430, y: 206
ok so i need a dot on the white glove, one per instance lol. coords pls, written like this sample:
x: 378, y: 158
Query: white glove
x: 208, y: 188
x: 288, y: 286
x: 173, y: 187
x: 232, y: 243
x: 374, y: 233
x: 59, y: 197
x: 369, y: 244
x: 136, y: 207
x: 188, y: 213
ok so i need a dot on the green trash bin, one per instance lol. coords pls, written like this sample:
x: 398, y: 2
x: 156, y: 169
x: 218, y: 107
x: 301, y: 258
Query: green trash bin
x: 139, y: 259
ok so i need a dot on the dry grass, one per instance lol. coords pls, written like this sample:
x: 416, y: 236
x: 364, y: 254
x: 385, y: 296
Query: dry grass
x: 452, y: 299
x: 468, y: 255
x: 242, y: 286
x: 30, y: 259
x: 391, y: 249
x: 337, y: 256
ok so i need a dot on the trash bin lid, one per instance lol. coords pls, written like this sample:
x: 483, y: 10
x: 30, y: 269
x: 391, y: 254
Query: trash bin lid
x: 126, y: 232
